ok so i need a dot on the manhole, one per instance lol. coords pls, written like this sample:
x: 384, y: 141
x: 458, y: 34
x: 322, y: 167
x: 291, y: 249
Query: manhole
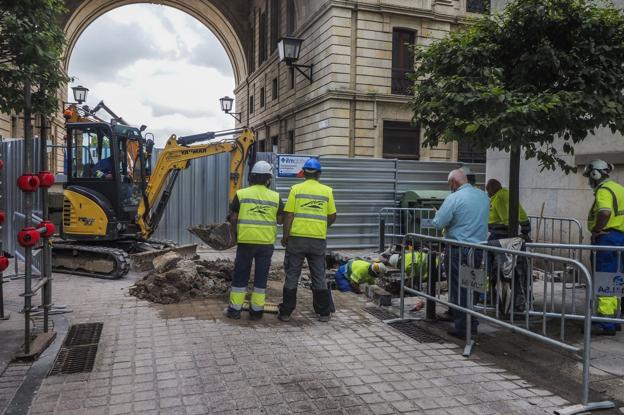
x: 83, y: 334
x: 380, y: 313
x: 410, y: 329
x: 79, y: 349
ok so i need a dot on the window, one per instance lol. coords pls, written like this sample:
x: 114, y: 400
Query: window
x: 251, y: 104
x: 478, y: 6
x: 275, y: 24
x: 274, y: 89
x: 290, y: 144
x: 402, y: 60
x: 274, y: 144
x: 91, y: 154
x: 262, y: 43
x: 14, y: 126
x: 290, y: 17
x: 262, y: 98
x: 468, y: 153
x: 401, y: 140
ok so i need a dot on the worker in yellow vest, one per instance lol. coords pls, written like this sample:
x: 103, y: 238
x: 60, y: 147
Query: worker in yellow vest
x: 349, y: 276
x: 256, y: 211
x: 498, y: 220
x: 606, y: 224
x: 419, y: 261
x: 309, y: 211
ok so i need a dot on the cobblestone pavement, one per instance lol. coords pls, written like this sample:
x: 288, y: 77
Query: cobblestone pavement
x: 188, y: 359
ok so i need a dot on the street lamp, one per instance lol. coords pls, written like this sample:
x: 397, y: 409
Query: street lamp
x: 226, y: 106
x: 289, y: 49
x: 80, y: 93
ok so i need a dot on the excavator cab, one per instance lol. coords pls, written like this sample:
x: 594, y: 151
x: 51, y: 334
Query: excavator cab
x: 106, y: 179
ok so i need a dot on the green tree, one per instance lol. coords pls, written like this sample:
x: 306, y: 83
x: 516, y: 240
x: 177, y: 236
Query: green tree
x: 537, y: 78
x: 31, y: 46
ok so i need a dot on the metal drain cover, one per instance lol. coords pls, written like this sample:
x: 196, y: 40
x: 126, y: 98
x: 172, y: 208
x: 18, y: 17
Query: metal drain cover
x: 79, y: 349
x: 380, y: 313
x: 409, y: 328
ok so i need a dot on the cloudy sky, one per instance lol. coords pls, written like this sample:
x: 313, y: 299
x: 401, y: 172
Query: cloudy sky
x: 155, y: 65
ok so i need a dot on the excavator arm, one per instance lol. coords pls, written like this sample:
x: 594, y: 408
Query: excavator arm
x: 176, y: 156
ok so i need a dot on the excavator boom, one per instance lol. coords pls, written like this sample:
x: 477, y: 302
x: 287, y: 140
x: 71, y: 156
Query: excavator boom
x: 176, y: 156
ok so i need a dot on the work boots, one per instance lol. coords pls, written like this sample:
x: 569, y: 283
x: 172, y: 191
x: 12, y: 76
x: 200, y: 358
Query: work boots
x: 321, y: 300
x: 289, y: 302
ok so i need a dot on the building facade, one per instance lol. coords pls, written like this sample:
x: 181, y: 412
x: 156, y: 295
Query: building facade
x: 357, y: 104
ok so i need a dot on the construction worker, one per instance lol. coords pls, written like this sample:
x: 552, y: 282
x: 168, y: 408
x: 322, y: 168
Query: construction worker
x: 419, y: 262
x: 256, y: 211
x: 349, y: 276
x: 498, y: 220
x: 606, y: 224
x: 309, y: 211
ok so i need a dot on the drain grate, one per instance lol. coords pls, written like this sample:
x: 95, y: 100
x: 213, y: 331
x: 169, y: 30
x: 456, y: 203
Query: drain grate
x: 410, y: 329
x: 380, y: 313
x: 79, y: 349
x: 83, y: 334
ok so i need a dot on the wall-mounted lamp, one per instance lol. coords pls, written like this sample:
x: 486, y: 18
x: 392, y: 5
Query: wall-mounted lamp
x: 226, y: 106
x: 80, y: 93
x: 289, y: 49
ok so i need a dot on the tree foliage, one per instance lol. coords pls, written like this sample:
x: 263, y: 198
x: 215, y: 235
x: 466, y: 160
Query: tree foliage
x: 542, y: 69
x: 31, y: 46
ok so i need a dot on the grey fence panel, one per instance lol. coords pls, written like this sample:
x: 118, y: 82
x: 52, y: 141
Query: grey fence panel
x: 431, y: 175
x: 200, y: 196
x: 13, y: 198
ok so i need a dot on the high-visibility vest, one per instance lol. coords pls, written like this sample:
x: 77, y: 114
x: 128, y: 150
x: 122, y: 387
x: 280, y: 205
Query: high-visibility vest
x: 310, y: 202
x: 257, y: 216
x: 499, y: 209
x: 421, y: 265
x: 608, y: 194
x: 357, y: 270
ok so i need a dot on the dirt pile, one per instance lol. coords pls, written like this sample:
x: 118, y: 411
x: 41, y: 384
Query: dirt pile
x: 175, y: 279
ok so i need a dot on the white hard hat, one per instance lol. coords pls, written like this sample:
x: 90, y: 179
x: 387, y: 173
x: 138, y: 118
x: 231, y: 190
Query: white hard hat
x: 394, y: 260
x: 596, y: 169
x: 262, y: 167
x: 378, y: 268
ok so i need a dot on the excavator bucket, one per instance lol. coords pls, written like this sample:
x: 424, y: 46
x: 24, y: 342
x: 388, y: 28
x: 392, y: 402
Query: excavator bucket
x: 219, y: 236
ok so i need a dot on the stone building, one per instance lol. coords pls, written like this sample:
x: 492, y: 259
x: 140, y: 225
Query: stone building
x: 357, y: 102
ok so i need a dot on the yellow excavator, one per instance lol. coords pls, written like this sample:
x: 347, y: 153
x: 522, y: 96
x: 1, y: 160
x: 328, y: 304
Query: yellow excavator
x: 114, y: 199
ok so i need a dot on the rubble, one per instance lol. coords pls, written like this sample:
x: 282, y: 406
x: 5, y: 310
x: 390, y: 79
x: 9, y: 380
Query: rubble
x: 175, y: 279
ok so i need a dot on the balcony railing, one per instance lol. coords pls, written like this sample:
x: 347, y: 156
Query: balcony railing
x: 478, y: 6
x: 401, y: 84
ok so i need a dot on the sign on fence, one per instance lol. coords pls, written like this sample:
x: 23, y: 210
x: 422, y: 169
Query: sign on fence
x: 609, y: 284
x: 470, y: 277
x: 289, y: 165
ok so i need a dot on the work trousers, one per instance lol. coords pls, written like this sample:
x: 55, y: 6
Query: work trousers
x: 245, y: 255
x: 299, y: 249
x: 607, y: 261
x: 459, y: 296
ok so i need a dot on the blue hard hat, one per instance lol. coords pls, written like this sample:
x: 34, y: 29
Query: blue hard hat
x: 312, y: 164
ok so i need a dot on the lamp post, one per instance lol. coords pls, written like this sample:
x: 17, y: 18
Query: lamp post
x: 289, y: 49
x: 80, y: 93
x: 226, y: 106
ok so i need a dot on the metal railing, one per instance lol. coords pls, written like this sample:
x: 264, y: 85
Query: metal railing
x: 556, y: 230
x: 605, y: 282
x: 502, y: 280
x: 394, y: 223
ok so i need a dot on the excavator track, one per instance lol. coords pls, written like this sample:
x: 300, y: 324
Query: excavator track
x: 90, y: 261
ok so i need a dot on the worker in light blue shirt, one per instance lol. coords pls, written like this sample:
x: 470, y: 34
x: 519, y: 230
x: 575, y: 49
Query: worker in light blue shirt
x: 464, y: 217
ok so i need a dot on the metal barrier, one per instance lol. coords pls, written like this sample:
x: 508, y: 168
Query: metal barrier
x: 556, y: 230
x: 605, y: 283
x: 394, y: 223
x: 503, y: 280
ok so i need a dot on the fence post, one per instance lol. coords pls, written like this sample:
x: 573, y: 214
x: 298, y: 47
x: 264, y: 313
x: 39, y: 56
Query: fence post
x: 430, y: 306
x: 2, y: 212
x: 382, y: 233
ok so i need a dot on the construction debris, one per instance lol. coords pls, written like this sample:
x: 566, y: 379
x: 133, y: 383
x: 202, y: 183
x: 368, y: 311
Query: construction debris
x: 220, y: 236
x: 175, y: 279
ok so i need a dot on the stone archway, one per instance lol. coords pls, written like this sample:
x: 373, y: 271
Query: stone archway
x: 225, y: 18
